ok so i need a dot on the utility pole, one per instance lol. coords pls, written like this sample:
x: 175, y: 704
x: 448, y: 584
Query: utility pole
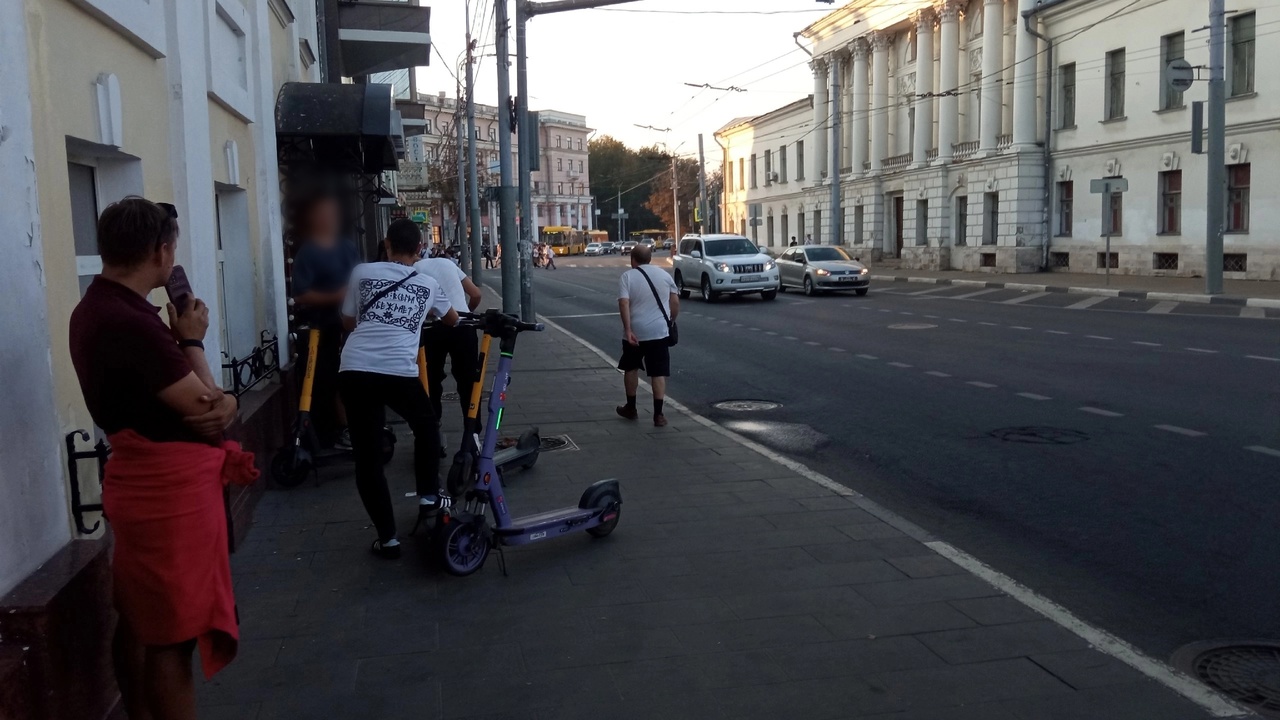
x: 506, y: 190
x: 837, y: 214
x: 460, y: 226
x: 473, y: 196
x: 1216, y: 202
x: 526, y: 147
x: 702, y: 186
x: 675, y: 199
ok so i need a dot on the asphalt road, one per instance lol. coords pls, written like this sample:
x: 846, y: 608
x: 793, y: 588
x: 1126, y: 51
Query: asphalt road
x: 1122, y: 459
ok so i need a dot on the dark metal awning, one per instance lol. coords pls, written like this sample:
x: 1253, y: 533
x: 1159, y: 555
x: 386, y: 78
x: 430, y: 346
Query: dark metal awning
x: 337, y: 128
x: 382, y: 36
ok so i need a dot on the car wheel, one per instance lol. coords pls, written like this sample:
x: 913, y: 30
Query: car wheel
x: 769, y: 295
x: 861, y: 291
x: 684, y: 292
x: 808, y: 286
x: 708, y: 294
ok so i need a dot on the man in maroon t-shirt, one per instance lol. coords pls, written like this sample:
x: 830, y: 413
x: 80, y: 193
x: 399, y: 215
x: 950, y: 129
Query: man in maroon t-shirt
x: 137, y: 374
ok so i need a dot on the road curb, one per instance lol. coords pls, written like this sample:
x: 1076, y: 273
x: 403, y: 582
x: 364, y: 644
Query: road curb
x: 1233, y: 300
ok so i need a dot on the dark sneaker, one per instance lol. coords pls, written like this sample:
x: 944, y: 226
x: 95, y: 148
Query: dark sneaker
x: 659, y: 420
x: 343, y: 440
x: 627, y: 412
x: 386, y: 552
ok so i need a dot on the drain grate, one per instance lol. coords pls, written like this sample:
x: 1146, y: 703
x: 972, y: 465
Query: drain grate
x: 912, y: 326
x: 451, y: 395
x: 1039, y: 435
x: 1247, y: 671
x: 558, y: 442
x: 747, y: 405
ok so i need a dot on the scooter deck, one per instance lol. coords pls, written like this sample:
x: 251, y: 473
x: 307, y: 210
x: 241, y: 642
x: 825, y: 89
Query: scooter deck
x: 531, y: 528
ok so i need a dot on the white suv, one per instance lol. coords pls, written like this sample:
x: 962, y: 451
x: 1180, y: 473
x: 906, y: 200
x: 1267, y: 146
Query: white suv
x: 724, y: 264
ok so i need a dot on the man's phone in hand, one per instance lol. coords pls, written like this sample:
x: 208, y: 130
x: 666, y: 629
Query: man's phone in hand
x: 179, y: 289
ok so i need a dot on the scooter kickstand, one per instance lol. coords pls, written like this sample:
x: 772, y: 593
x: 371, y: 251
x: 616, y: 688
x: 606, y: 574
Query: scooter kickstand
x: 502, y: 559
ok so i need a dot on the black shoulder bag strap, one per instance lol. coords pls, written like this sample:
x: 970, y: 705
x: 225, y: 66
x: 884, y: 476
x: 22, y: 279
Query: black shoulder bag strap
x: 386, y: 291
x: 672, y: 336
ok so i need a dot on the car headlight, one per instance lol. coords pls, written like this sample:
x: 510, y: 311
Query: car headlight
x: 770, y: 265
x: 722, y: 267
x: 863, y: 271
x: 822, y: 272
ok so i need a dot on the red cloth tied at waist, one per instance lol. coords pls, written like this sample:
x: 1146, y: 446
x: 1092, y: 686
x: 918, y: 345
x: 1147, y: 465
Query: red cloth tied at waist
x: 171, y: 568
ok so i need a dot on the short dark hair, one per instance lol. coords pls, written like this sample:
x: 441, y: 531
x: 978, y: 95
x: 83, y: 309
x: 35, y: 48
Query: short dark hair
x: 641, y: 254
x: 404, y: 236
x: 129, y: 230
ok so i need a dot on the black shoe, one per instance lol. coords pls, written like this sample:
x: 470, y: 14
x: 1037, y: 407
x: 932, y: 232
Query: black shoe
x: 627, y: 412
x: 386, y: 552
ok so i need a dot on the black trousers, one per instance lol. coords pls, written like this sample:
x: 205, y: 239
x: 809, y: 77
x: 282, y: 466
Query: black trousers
x: 461, y: 348
x: 366, y: 395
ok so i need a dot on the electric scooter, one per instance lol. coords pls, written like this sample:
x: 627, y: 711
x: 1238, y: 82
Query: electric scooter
x: 297, y: 459
x: 464, y: 533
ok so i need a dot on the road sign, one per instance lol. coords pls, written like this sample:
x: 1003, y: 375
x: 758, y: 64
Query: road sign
x: 620, y: 215
x: 419, y: 217
x: 1107, y: 186
x: 755, y: 222
x: 1181, y: 75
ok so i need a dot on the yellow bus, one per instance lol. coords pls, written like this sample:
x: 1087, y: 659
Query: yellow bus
x: 565, y: 240
x: 597, y: 236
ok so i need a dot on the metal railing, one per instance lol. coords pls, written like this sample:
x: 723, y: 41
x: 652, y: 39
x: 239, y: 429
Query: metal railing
x: 1004, y: 142
x: 897, y: 162
x: 261, y: 363
x: 965, y: 149
x: 931, y: 155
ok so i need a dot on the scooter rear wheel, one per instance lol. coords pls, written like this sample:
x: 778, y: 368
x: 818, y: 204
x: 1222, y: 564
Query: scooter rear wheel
x: 288, y: 471
x: 463, y: 544
x: 607, y: 527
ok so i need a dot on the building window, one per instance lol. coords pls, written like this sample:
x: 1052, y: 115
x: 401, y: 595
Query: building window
x: 782, y: 164
x: 560, y: 163
x: 426, y: 126
x: 477, y: 133
x: 1171, y: 48
x: 859, y: 218
x: 990, y: 218
x: 1067, y: 94
x: 1170, y: 202
x: 769, y: 230
x: 1115, y: 85
x: 1113, y: 223
x: 493, y: 133
x: 580, y: 166
x: 1242, y: 52
x: 558, y: 141
x: 962, y: 220
x: 768, y: 168
x: 1066, y: 200
x: 799, y: 159
x: 742, y: 174
x: 1238, y: 198
x: 559, y: 188
x: 922, y: 222
x: 753, y: 171
x: 83, y: 183
x: 579, y: 143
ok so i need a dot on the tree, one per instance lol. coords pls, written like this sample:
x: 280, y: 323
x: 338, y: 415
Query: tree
x: 659, y: 201
x: 620, y: 175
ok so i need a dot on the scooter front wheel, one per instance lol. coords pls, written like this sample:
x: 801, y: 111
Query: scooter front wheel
x: 287, y: 469
x: 463, y: 544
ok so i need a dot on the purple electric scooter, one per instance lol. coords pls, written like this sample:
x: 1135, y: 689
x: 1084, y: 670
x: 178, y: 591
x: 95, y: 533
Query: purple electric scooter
x: 465, y: 534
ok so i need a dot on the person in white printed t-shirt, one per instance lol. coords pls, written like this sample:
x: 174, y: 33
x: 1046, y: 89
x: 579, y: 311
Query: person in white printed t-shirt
x: 645, y: 295
x: 385, y: 307
x: 441, y: 342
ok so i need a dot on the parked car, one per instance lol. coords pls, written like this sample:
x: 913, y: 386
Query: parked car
x: 594, y: 249
x: 822, y: 268
x: 724, y: 265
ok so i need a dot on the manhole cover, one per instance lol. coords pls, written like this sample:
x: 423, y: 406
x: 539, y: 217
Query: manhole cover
x: 912, y: 326
x: 1039, y: 435
x: 452, y: 395
x: 558, y: 442
x: 1247, y: 671
x: 746, y: 405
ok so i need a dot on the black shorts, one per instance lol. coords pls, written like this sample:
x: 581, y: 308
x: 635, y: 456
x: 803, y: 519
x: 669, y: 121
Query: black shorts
x: 652, y: 356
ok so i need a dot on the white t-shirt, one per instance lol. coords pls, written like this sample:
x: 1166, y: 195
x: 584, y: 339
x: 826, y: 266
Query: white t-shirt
x: 385, y: 340
x: 450, y: 277
x: 646, y: 318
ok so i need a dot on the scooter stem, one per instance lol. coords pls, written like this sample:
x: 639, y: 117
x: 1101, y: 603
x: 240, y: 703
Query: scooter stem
x: 309, y: 378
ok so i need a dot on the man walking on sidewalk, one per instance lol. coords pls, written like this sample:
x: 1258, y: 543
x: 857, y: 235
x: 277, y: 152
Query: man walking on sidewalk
x: 456, y: 344
x: 648, y: 302
x: 551, y: 258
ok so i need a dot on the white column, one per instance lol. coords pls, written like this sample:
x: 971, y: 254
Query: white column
x: 879, y: 99
x: 555, y: 215
x: 1006, y: 82
x: 821, y: 110
x: 1024, y: 84
x: 924, y: 87
x: 861, y: 98
x: 846, y: 120
x: 992, y: 52
x: 949, y: 79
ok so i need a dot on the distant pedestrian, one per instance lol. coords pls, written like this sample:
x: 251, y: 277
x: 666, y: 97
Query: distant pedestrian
x: 793, y: 241
x: 808, y: 240
x: 648, y: 302
x: 551, y: 258
x: 488, y: 257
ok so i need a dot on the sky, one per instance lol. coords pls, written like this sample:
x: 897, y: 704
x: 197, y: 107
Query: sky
x: 628, y: 65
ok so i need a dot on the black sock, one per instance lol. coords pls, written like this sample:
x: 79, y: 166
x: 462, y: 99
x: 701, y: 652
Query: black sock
x: 631, y: 402
x: 657, y: 406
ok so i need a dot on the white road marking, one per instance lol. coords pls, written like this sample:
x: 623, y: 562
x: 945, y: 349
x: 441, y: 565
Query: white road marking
x: 989, y: 324
x: 900, y: 364
x: 883, y: 310
x: 865, y: 356
x: 977, y: 383
x: 737, y: 324
x: 1033, y: 396
x: 957, y: 320
x: 863, y: 307
x: 934, y: 317
x: 1216, y: 704
x: 790, y: 337
x: 1057, y: 332
x: 754, y: 329
x: 1262, y: 357
x: 770, y: 332
x: 567, y: 317
x: 1252, y: 312
x: 1264, y: 450
x: 935, y: 373
x: 726, y: 322
x: 1099, y: 411
x: 1097, y: 337
x: 1086, y: 303
x: 1024, y: 298
x: 966, y: 296
x: 1148, y: 344
x: 1163, y: 307
x: 1019, y: 327
x: 835, y: 349
x: 810, y: 342
x: 940, y: 288
x: 1179, y: 430
x: 1201, y: 350
x: 903, y: 312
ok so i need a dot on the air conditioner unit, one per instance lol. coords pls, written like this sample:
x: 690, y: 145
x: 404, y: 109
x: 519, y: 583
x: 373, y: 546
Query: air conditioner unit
x: 1237, y: 153
x: 1112, y: 168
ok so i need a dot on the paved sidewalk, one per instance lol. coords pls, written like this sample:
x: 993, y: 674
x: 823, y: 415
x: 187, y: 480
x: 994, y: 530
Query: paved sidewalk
x: 732, y: 588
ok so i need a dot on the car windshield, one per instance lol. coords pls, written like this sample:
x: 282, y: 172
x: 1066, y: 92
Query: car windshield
x: 594, y: 245
x: 824, y: 254
x: 730, y: 246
